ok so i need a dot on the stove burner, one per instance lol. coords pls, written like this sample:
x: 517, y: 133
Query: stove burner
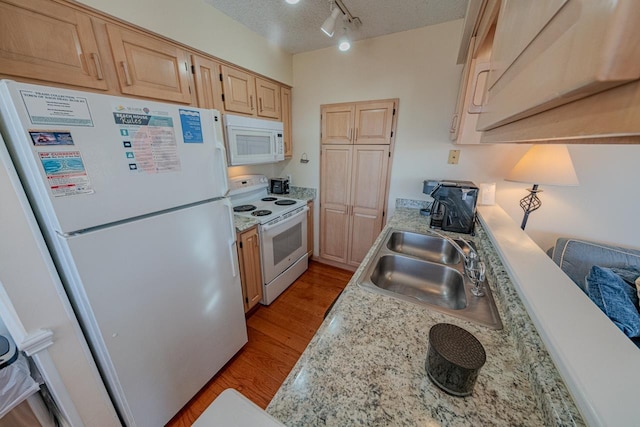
x: 269, y: 199
x: 285, y: 202
x: 261, y: 212
x: 244, y: 208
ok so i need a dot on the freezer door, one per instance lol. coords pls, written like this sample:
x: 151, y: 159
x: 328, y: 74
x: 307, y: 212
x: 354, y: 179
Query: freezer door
x: 91, y: 159
x: 161, y: 303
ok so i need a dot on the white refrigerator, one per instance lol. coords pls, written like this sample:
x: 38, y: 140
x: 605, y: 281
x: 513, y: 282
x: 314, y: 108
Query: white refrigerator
x: 130, y: 196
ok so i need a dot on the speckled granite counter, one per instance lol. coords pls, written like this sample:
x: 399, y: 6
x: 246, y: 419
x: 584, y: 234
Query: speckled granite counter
x: 300, y: 193
x: 365, y: 365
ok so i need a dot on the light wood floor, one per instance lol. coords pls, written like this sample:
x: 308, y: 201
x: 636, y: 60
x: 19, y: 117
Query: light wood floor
x: 278, y: 334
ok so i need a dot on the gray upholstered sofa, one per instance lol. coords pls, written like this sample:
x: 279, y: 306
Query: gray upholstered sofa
x: 576, y: 257
x: 604, y: 273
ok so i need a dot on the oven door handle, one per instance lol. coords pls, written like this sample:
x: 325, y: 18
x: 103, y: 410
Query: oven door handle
x: 291, y: 218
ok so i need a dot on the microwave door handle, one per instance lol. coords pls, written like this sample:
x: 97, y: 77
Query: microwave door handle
x: 291, y: 218
x: 274, y: 145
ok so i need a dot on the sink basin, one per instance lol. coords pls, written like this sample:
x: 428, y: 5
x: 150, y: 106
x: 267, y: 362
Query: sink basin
x: 430, y: 248
x: 428, y: 270
x: 426, y: 282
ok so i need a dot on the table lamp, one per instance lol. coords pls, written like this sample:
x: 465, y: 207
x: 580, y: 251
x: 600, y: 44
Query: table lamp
x: 542, y: 164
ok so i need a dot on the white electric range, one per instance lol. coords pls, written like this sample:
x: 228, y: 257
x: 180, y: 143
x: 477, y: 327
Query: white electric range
x: 282, y: 229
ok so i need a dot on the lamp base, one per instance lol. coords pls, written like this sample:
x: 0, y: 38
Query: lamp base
x: 530, y: 203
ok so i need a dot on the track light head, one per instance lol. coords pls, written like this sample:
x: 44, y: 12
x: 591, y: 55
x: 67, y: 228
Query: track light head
x: 329, y: 25
x: 344, y: 44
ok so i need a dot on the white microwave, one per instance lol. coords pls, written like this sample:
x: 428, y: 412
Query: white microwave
x: 252, y: 141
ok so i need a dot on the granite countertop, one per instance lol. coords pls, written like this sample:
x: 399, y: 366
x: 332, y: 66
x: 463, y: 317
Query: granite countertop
x: 365, y: 365
x: 300, y: 193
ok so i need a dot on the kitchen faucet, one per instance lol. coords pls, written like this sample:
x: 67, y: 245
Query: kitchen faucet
x: 473, y: 268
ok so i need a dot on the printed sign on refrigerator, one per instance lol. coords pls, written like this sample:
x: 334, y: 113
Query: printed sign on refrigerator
x: 47, y: 108
x: 191, y: 126
x: 151, y: 136
x: 40, y: 137
x: 65, y: 172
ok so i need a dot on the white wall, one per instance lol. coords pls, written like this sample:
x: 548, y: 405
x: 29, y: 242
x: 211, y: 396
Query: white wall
x: 418, y: 67
x: 196, y: 24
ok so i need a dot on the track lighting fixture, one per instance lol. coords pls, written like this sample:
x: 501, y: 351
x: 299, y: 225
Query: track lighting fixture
x: 349, y: 22
x: 329, y: 24
x: 344, y: 43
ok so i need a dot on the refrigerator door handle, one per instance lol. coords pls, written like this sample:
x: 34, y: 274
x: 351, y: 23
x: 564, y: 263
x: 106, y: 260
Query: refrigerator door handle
x: 222, y: 170
x: 232, y: 240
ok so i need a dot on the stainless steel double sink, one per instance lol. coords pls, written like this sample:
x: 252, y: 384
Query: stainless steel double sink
x: 429, y: 270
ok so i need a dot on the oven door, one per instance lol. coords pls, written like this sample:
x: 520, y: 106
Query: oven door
x: 283, y: 244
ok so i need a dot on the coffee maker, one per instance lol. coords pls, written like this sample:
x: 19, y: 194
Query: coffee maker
x: 454, y: 205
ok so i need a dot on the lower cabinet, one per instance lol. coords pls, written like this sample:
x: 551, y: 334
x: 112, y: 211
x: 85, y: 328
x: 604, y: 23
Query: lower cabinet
x: 250, y: 268
x: 352, y: 200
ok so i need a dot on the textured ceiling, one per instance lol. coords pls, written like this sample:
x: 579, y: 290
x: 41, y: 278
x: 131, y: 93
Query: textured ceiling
x: 296, y: 28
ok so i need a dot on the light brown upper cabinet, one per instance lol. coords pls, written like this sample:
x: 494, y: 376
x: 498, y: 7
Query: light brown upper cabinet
x: 268, y: 95
x: 239, y: 89
x: 353, y: 184
x: 369, y: 122
x: 480, y: 23
x: 472, y: 93
x: 248, y: 94
x: 287, y: 138
x: 149, y: 67
x: 551, y: 52
x: 51, y: 42
x: 206, y: 78
x: 337, y: 123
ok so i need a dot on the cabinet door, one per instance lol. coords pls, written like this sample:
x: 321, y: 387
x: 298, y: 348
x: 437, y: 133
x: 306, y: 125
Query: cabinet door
x: 250, y: 274
x: 335, y: 188
x: 149, y: 67
x: 286, y: 121
x: 268, y: 94
x: 373, y: 122
x: 368, y: 189
x: 456, y: 120
x: 47, y: 41
x: 207, y: 81
x: 337, y: 124
x: 310, y: 233
x: 542, y: 59
x: 239, y: 91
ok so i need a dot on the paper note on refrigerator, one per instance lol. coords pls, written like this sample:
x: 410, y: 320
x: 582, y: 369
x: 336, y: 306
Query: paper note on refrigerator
x: 66, y: 173
x: 47, y: 108
x: 152, y: 137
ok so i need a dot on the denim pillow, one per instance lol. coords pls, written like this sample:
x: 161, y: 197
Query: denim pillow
x: 615, y: 298
x: 629, y: 275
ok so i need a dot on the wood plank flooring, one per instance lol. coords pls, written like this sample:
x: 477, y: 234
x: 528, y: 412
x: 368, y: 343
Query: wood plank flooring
x: 278, y: 334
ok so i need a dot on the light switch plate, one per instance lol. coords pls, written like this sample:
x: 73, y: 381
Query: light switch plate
x: 454, y: 156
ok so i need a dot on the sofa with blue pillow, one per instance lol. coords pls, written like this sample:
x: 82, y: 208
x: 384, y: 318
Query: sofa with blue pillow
x: 609, y: 275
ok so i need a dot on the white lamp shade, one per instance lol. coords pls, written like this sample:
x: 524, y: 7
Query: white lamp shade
x: 545, y: 164
x: 330, y: 23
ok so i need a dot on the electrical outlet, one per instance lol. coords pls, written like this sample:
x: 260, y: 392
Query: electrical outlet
x: 454, y: 156
x: 289, y: 178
